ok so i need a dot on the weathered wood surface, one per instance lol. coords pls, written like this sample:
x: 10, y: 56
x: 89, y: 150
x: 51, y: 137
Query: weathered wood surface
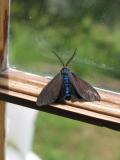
x: 2, y: 129
x: 4, y: 13
x: 22, y: 88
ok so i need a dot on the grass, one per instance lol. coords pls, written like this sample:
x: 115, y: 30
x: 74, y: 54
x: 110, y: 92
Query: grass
x: 59, y: 138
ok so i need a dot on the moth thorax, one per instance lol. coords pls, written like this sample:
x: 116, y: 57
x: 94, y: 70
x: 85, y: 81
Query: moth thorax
x: 65, y: 70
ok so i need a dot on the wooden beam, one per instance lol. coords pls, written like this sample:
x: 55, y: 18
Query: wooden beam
x: 2, y: 129
x: 22, y: 88
x: 4, y: 14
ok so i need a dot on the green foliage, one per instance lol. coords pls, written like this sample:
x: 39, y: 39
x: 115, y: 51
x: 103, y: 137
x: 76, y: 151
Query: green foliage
x: 59, y: 138
x: 98, y: 47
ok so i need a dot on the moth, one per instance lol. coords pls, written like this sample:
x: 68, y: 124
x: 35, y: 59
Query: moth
x: 66, y: 86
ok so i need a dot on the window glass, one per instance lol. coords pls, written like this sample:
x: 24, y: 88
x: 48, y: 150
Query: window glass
x: 31, y: 133
x: 39, y: 27
x: 92, y: 26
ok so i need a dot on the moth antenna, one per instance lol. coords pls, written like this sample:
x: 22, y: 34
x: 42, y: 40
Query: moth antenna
x: 69, y: 60
x: 58, y: 58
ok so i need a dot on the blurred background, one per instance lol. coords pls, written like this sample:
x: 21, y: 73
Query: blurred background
x: 93, y: 27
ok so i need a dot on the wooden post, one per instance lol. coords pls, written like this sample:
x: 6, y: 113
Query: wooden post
x: 4, y: 14
x: 2, y: 129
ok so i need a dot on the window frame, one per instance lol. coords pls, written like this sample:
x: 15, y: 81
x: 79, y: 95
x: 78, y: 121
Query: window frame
x: 23, y: 88
x: 4, y: 13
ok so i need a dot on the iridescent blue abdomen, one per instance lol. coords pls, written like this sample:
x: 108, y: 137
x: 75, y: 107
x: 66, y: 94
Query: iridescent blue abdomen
x: 66, y: 83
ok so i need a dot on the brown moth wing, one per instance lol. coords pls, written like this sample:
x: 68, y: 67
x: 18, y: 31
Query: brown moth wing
x: 84, y: 89
x: 51, y: 91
